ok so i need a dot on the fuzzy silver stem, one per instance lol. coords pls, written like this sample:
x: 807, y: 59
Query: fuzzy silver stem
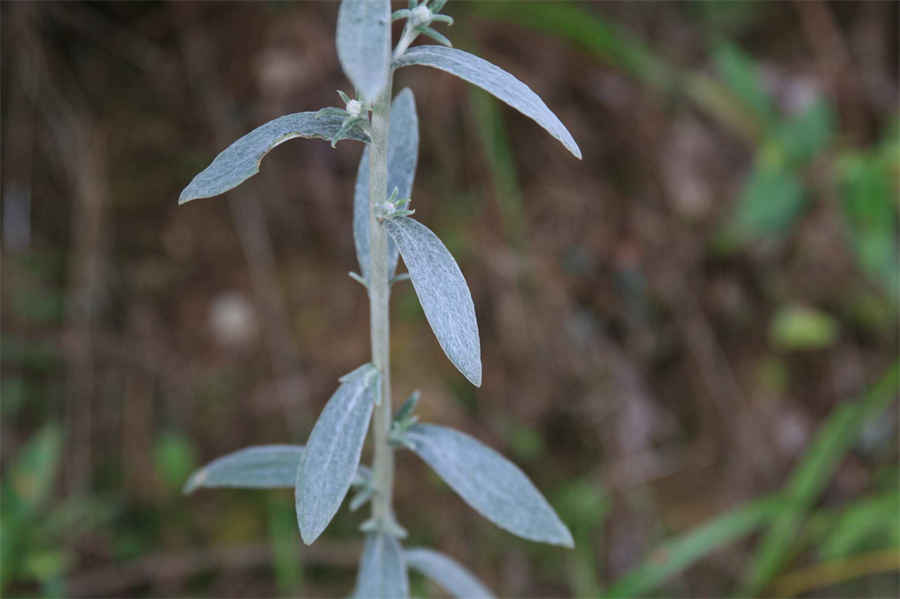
x: 379, y: 299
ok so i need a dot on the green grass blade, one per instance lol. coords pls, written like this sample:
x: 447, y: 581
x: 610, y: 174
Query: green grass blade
x: 612, y: 45
x: 866, y: 521
x: 622, y: 50
x: 679, y: 553
x: 495, y: 141
x: 811, y: 476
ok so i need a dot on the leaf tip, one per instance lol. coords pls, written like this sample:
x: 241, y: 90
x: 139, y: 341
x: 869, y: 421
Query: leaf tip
x: 575, y: 150
x: 307, y: 537
x: 473, y: 372
x: 308, y: 533
x: 185, y: 197
x: 562, y: 536
x: 194, y: 481
x: 474, y: 378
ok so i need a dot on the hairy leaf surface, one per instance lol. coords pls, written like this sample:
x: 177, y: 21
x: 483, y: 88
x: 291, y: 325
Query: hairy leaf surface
x: 403, y: 153
x: 445, y: 571
x: 331, y: 459
x: 382, y: 570
x: 492, y: 485
x: 364, y: 44
x: 240, y: 161
x: 493, y: 80
x: 443, y: 293
x: 263, y: 467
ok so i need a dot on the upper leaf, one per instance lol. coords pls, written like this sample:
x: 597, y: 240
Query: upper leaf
x: 493, y: 80
x: 330, y: 461
x: 382, y: 570
x: 364, y: 44
x: 443, y: 293
x: 264, y: 467
x: 403, y: 153
x: 445, y: 571
x: 492, y: 485
x: 240, y: 161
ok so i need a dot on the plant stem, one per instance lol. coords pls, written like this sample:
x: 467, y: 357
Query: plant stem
x: 379, y: 298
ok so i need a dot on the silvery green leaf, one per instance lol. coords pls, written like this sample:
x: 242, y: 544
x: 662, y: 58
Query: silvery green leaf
x: 407, y: 407
x: 240, y: 161
x: 382, y: 571
x: 363, y: 476
x: 493, y: 80
x: 446, y: 572
x: 400, y: 14
x: 403, y: 153
x: 492, y: 485
x: 435, y: 35
x: 364, y: 44
x: 361, y: 498
x: 331, y: 459
x: 443, y: 293
x: 263, y: 467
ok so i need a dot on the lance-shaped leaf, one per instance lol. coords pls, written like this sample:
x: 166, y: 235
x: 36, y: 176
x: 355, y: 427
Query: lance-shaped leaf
x: 263, y: 467
x: 382, y: 570
x: 240, y: 161
x: 446, y: 572
x: 492, y: 485
x: 493, y: 80
x: 330, y: 461
x: 364, y: 44
x: 443, y: 293
x: 403, y: 152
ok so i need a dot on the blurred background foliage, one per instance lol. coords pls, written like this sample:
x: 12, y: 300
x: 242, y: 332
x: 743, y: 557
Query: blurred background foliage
x: 690, y: 338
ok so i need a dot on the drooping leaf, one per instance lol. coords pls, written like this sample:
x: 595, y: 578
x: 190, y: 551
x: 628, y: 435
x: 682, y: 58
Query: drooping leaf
x: 263, y: 467
x: 382, y: 570
x: 403, y: 153
x: 240, y: 161
x: 443, y: 293
x: 364, y: 44
x: 492, y: 485
x: 445, y: 571
x: 331, y: 459
x: 495, y: 81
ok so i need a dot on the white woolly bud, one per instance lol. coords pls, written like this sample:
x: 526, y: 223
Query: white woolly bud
x: 421, y: 15
x: 354, y: 107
